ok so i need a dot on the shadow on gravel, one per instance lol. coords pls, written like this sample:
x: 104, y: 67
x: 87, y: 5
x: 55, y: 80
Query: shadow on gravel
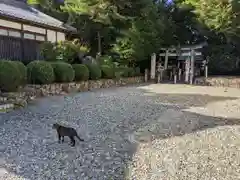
x: 31, y: 150
x: 177, y: 120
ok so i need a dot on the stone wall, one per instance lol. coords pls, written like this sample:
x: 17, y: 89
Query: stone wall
x: 30, y: 92
x: 221, y: 81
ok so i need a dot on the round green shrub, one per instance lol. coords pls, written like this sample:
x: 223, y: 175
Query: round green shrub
x: 10, y: 76
x: 123, y: 71
x: 23, y: 71
x: 117, y: 75
x: 40, y: 72
x: 81, y: 72
x: 95, y: 71
x: 107, y: 71
x: 131, y: 72
x: 137, y: 71
x: 63, y: 72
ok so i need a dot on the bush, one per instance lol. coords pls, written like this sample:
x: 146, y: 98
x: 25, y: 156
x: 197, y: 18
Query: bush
x: 106, y: 60
x: 40, y: 72
x: 63, y: 72
x: 119, y: 72
x: 81, y: 72
x: 23, y: 71
x: 123, y: 71
x: 137, y: 71
x: 131, y: 72
x: 49, y: 51
x: 66, y: 51
x: 89, y: 60
x: 117, y: 75
x: 107, y: 71
x: 10, y: 76
x: 95, y: 71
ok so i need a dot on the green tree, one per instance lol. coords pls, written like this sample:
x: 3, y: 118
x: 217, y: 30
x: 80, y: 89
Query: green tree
x: 216, y: 21
x: 101, y: 13
x: 50, y: 7
x: 221, y: 16
x: 144, y: 37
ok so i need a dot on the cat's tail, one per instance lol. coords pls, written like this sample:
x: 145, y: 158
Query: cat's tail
x: 79, y: 138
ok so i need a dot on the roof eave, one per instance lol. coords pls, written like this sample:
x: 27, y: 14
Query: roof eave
x: 69, y: 29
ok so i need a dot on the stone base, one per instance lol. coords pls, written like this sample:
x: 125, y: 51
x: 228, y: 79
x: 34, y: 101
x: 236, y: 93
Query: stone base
x: 224, y: 81
x: 6, y: 107
x: 30, y: 91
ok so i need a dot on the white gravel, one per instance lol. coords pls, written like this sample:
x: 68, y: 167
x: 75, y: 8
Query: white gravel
x: 154, y: 132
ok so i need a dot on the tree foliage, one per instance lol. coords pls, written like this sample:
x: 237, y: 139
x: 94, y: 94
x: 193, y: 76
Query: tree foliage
x: 218, y: 15
x: 130, y: 31
x: 100, y: 13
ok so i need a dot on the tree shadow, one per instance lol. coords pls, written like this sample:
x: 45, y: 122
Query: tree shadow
x: 30, y: 151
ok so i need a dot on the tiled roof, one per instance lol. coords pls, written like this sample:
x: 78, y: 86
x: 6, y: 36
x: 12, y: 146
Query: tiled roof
x: 22, y: 11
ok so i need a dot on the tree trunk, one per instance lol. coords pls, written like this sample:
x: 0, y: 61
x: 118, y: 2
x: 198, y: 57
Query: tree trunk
x: 99, y: 43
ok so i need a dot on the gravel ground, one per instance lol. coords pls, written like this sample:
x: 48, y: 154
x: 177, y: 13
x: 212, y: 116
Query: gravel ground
x: 151, y: 132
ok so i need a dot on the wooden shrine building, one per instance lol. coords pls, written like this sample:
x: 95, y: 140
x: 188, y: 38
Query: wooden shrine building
x: 180, y: 63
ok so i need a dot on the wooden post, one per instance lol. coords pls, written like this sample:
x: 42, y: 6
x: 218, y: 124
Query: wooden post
x: 179, y: 74
x: 206, y: 71
x: 166, y: 60
x: 99, y: 43
x: 161, y: 75
x: 158, y: 77
x: 192, y: 66
x: 153, y: 66
x: 174, y: 72
x: 175, y: 78
x: 159, y: 72
x: 187, y: 64
x: 146, y: 75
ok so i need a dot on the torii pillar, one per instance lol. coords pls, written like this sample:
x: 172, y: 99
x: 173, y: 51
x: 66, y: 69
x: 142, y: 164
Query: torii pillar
x: 153, y: 66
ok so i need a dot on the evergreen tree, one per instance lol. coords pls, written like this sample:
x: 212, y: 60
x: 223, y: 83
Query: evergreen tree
x: 221, y: 16
x: 102, y: 13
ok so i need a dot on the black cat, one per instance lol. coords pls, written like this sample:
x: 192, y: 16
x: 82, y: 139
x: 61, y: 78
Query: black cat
x: 66, y: 131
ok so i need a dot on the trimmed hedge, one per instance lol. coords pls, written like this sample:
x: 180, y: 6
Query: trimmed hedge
x: 122, y: 71
x: 40, y: 72
x: 117, y: 75
x: 63, y: 72
x: 23, y: 71
x: 137, y: 71
x: 95, y: 71
x: 10, y: 76
x: 131, y: 72
x: 81, y: 72
x: 107, y: 71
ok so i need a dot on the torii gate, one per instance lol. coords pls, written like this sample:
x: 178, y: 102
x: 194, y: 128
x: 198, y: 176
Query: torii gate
x: 185, y: 51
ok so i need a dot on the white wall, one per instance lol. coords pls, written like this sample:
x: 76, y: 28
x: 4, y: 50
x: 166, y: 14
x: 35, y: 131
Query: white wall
x: 60, y: 36
x: 10, y: 24
x: 34, y: 29
x: 52, y: 36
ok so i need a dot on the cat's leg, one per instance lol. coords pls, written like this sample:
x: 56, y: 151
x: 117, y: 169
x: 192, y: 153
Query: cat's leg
x: 72, y: 141
x: 59, y: 138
